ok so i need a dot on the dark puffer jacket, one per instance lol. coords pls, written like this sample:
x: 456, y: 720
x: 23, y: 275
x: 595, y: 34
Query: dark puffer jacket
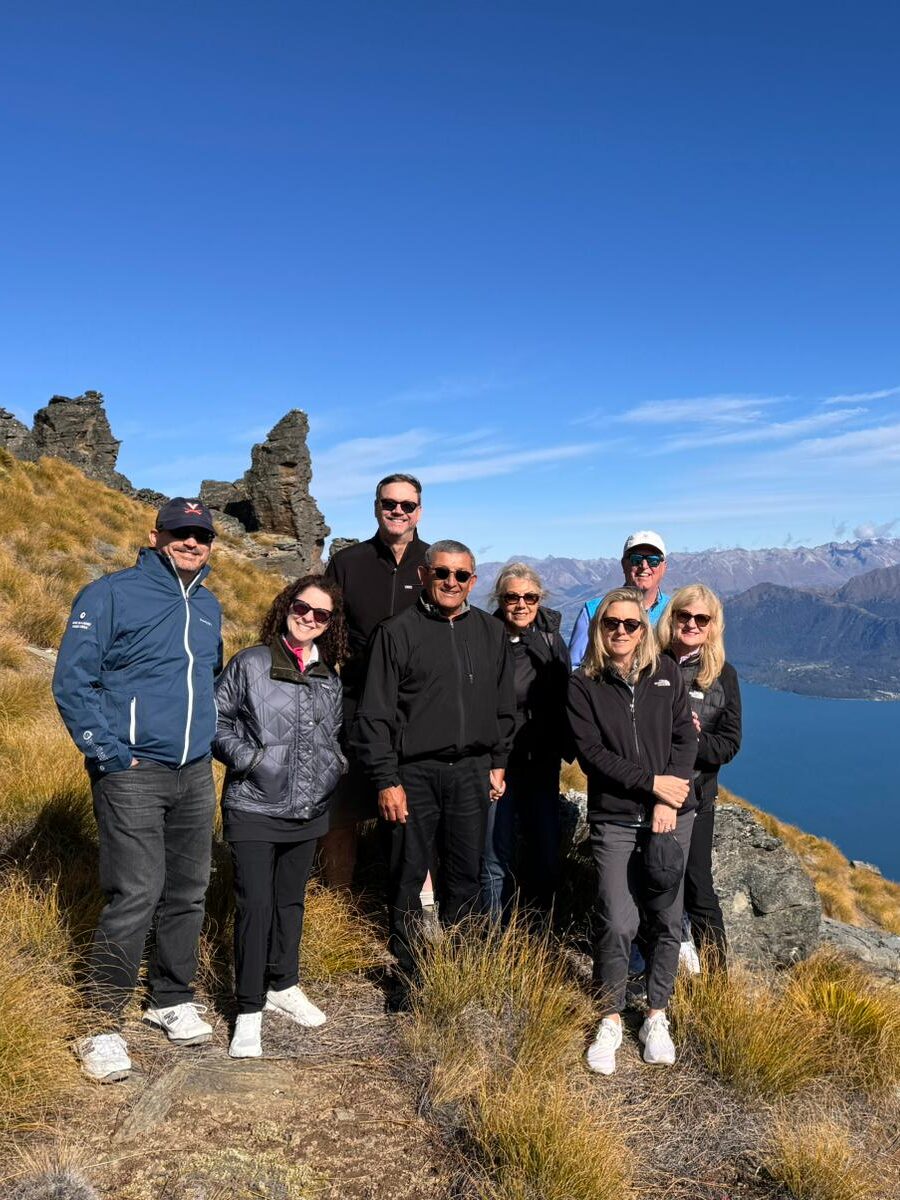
x: 719, y: 711
x: 278, y: 734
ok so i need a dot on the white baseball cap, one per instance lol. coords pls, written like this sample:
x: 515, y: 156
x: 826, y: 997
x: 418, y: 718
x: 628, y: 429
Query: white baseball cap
x: 645, y: 537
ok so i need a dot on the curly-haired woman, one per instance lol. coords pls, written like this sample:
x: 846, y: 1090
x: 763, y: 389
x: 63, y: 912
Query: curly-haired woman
x: 280, y: 710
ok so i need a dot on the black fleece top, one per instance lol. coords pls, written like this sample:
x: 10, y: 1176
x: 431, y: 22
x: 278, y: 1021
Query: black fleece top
x: 435, y: 689
x: 719, y: 710
x: 374, y: 586
x: 623, y: 738
x: 542, y: 671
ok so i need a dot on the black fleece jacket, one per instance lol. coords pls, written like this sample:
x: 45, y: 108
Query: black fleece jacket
x: 435, y: 688
x: 623, y: 739
x: 719, y: 710
x: 374, y: 586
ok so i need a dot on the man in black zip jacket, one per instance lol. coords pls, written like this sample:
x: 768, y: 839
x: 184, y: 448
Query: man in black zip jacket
x: 433, y: 732
x: 378, y: 578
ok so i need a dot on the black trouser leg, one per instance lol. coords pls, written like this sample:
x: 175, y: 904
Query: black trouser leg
x: 293, y: 865
x: 700, y: 900
x: 465, y: 795
x: 411, y: 849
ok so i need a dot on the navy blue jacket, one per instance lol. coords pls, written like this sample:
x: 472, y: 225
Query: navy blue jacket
x: 134, y: 675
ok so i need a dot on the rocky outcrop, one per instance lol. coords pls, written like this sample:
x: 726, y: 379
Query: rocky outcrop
x: 875, y: 947
x: 77, y: 430
x: 339, y: 543
x: 16, y: 437
x: 771, y: 908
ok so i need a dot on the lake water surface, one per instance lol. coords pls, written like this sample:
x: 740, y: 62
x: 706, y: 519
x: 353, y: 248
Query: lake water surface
x: 825, y: 765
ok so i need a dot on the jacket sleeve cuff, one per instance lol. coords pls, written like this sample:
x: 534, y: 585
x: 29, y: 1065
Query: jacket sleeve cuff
x: 499, y: 761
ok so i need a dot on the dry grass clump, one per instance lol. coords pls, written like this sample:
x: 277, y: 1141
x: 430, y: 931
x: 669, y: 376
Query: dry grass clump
x: 572, y: 778
x: 337, y: 938
x: 815, y: 1160
x: 545, y: 1142
x: 859, y: 1020
x: 229, y: 1173
x: 39, y: 1009
x: 746, y: 1034
x: 497, y: 1021
x: 13, y: 654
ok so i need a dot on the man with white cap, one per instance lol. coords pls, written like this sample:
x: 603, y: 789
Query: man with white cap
x: 644, y: 565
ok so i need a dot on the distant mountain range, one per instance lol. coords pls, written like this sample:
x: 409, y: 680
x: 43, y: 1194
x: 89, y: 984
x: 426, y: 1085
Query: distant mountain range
x: 823, y: 621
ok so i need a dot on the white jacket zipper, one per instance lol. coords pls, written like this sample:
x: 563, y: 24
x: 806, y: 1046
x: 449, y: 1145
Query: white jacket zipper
x: 132, y: 722
x: 190, y: 668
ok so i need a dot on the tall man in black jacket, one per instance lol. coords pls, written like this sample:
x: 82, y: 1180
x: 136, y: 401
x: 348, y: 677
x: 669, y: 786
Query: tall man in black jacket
x: 433, y: 732
x: 379, y: 578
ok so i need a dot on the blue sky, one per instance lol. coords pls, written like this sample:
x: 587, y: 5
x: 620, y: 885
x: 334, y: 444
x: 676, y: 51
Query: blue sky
x: 584, y: 267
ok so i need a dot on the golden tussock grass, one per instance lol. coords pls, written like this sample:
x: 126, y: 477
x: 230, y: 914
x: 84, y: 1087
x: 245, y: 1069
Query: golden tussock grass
x: 497, y: 1022
x: 859, y: 1019
x: 815, y: 1160
x: 745, y: 1034
x: 39, y: 1008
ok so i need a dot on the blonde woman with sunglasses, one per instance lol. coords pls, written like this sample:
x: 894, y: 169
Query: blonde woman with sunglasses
x: 690, y: 632
x: 636, y: 742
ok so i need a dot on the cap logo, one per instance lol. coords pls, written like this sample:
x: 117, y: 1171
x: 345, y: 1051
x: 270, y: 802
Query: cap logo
x: 193, y: 510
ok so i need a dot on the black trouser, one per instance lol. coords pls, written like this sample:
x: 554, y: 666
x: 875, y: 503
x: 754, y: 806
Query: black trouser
x: 154, y: 828
x: 269, y: 899
x: 700, y: 900
x: 447, y: 805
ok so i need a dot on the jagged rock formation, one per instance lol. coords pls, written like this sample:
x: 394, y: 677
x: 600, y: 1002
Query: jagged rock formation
x: 16, y: 437
x: 339, y: 543
x: 771, y: 908
x: 273, y: 497
x: 77, y: 430
x: 874, y: 947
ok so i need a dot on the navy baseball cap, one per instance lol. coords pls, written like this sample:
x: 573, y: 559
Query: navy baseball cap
x: 663, y: 862
x: 182, y: 513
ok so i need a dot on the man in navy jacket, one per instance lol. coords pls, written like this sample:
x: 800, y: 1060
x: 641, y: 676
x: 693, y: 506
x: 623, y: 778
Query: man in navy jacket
x: 134, y: 685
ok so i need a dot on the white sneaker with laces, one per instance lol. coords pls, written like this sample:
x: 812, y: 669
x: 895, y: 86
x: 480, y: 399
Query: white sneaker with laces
x: 659, y: 1049
x: 246, y: 1042
x: 601, y: 1055
x: 104, y: 1057
x: 182, y: 1023
x: 689, y: 959
x: 291, y: 1002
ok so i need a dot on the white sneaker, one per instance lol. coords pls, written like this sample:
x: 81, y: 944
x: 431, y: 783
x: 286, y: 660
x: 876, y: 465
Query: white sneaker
x: 659, y: 1049
x: 601, y: 1055
x: 104, y: 1057
x: 246, y: 1041
x: 689, y: 959
x: 182, y: 1023
x: 291, y: 1002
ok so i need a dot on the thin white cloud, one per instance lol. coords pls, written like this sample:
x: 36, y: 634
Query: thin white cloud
x: 859, y: 447
x: 773, y: 431
x: 451, y: 387
x: 724, y: 409
x: 862, y: 397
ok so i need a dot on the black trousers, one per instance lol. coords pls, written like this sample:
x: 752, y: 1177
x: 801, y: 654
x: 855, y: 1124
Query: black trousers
x: 448, y: 804
x: 700, y: 900
x: 270, y: 896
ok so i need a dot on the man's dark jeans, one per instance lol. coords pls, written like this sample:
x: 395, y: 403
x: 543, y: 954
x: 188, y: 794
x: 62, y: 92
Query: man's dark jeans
x: 154, y: 826
x: 447, y: 805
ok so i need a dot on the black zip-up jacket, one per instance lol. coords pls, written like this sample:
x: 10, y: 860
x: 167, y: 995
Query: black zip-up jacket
x: 624, y: 738
x: 719, y: 710
x: 435, y: 689
x: 374, y: 586
x: 542, y: 731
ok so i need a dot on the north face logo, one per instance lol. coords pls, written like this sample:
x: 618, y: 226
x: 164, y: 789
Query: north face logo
x: 662, y: 683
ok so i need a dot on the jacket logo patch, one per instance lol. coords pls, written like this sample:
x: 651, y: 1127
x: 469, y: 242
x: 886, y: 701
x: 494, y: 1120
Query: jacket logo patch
x: 662, y: 683
x: 87, y: 735
x: 81, y: 624
x: 205, y: 622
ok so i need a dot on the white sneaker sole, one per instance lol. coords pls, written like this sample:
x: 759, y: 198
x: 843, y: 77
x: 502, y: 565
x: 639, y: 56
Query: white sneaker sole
x: 110, y: 1077
x: 197, y: 1040
x: 248, y: 1052
x: 283, y: 1012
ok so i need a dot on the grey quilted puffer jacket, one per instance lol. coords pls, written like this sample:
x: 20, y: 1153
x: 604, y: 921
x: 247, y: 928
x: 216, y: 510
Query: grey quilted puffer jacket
x: 277, y: 733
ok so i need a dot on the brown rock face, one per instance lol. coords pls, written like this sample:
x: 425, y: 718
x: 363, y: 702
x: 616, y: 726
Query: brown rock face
x: 277, y: 486
x: 77, y: 430
x: 16, y: 437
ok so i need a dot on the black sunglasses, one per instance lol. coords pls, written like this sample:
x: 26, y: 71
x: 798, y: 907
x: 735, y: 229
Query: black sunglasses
x: 611, y: 624
x: 652, y: 560
x: 701, y: 620
x: 514, y: 597
x: 203, y: 536
x: 407, y: 506
x: 300, y: 608
x: 445, y: 573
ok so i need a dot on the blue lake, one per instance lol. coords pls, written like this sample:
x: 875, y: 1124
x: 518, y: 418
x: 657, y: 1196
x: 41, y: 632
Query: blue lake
x: 826, y: 766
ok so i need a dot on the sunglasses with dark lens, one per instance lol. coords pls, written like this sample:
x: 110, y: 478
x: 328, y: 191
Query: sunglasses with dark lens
x: 203, y: 536
x: 652, y: 560
x: 701, y: 620
x: 529, y: 598
x: 407, y: 506
x: 300, y: 608
x: 445, y: 573
x: 611, y: 624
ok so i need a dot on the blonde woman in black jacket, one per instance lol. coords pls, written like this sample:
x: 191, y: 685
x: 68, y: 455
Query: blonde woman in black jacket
x: 280, y: 708
x: 690, y: 632
x: 636, y: 742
